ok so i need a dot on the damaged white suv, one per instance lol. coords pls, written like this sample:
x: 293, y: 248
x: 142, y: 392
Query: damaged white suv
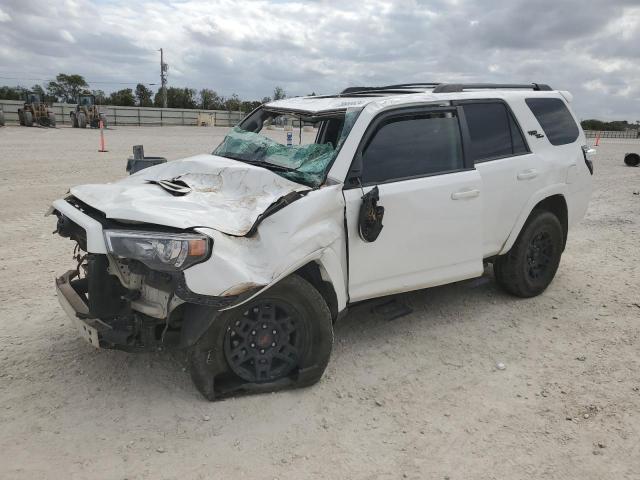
x: 247, y: 256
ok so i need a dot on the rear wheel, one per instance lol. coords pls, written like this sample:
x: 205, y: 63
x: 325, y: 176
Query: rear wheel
x: 52, y: 119
x: 1, y: 118
x: 529, y: 267
x: 280, y: 339
x: 74, y: 120
x: 82, y: 120
x: 28, y: 119
x: 21, y: 117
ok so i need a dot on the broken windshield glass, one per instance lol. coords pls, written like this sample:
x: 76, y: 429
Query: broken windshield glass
x: 303, y: 163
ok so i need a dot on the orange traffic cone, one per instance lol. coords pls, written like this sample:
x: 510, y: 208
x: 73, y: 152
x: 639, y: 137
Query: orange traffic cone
x: 102, y: 149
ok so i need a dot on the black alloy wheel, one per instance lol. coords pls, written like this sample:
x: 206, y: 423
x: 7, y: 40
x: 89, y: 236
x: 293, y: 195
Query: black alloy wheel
x: 265, y: 341
x: 540, y: 255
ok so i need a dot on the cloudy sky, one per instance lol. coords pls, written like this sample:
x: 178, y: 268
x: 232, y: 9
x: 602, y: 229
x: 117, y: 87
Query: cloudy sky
x: 589, y: 47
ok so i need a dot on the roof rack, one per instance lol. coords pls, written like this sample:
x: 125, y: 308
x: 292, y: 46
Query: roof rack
x: 399, y: 88
x: 436, y: 87
x: 459, y: 87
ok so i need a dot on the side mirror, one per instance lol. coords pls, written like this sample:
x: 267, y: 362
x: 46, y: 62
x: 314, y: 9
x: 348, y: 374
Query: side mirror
x: 370, y: 217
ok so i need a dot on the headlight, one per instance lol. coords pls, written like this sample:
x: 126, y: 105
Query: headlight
x: 159, y: 251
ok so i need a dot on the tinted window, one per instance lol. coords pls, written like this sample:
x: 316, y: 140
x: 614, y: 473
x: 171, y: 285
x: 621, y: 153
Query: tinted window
x: 555, y: 119
x: 493, y: 131
x: 413, y: 146
x: 519, y: 145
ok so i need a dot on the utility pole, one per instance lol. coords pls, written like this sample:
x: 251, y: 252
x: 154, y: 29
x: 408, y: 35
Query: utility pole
x: 163, y: 79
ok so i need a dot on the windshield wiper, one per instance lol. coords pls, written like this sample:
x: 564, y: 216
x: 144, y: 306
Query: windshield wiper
x: 267, y: 165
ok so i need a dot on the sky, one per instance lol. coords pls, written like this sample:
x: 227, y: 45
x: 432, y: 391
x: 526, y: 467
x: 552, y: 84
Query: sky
x: 591, y: 48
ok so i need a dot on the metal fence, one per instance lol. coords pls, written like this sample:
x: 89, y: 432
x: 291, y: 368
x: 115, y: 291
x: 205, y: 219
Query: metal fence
x: 135, y: 116
x: 612, y: 134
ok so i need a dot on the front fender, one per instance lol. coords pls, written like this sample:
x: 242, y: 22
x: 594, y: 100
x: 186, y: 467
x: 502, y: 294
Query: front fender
x: 555, y: 189
x: 330, y: 267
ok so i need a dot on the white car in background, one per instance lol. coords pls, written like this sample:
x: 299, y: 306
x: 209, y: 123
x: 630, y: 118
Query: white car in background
x: 247, y: 256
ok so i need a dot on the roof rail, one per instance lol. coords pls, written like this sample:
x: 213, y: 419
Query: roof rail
x: 399, y: 88
x: 435, y: 87
x: 459, y: 87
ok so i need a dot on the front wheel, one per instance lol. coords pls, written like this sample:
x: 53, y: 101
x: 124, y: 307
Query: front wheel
x: 280, y: 339
x: 529, y: 267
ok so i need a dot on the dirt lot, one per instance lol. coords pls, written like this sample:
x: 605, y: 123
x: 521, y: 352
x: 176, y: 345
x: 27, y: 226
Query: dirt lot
x: 417, y: 397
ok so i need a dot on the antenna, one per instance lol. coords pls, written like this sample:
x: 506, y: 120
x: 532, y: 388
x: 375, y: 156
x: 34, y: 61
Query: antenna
x: 163, y: 79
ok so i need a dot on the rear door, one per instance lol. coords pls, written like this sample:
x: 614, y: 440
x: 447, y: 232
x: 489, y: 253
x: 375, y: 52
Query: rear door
x: 510, y: 173
x: 432, y: 198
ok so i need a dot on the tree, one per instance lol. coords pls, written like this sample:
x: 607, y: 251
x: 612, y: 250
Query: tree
x: 123, y: 98
x: 144, y: 96
x: 233, y: 103
x: 248, y: 106
x: 157, y: 98
x: 66, y: 88
x: 101, y: 97
x: 181, y: 97
x: 210, y: 100
x: 12, y: 93
x: 616, y: 125
x: 279, y: 93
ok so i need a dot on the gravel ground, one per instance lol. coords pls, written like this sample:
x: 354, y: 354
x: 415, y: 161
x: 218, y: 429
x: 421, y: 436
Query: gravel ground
x: 416, y: 397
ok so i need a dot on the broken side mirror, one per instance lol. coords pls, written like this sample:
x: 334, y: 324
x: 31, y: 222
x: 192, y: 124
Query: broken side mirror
x: 370, y: 217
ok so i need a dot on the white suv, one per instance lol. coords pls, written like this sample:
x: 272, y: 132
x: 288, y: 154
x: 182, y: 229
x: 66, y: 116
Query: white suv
x: 248, y: 256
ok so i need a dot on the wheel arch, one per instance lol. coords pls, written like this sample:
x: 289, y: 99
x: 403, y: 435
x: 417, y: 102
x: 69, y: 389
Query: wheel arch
x: 552, y: 199
x: 324, y: 271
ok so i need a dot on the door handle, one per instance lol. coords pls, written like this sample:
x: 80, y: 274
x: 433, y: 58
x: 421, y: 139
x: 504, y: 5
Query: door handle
x: 527, y: 174
x: 462, y: 194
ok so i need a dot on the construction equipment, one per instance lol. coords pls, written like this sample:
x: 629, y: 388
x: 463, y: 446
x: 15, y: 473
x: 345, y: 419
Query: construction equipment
x: 36, y: 111
x: 87, y: 113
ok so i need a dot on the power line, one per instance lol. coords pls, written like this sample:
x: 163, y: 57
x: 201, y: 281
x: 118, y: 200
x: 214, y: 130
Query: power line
x: 99, y: 82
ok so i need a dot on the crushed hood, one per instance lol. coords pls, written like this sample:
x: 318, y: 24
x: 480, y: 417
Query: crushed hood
x: 223, y: 194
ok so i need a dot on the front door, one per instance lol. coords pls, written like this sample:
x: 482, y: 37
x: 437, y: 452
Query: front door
x: 432, y: 203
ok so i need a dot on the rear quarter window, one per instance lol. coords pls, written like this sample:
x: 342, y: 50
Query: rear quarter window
x: 555, y: 119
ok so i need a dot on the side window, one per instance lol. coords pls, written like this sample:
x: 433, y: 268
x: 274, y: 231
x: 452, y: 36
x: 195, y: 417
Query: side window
x: 555, y: 119
x: 412, y: 146
x: 493, y: 131
x: 519, y: 145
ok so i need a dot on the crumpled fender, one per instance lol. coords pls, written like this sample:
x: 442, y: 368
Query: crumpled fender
x: 309, y: 229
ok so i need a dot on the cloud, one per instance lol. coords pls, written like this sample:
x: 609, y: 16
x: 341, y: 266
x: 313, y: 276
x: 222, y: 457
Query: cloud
x: 4, y: 17
x: 248, y: 47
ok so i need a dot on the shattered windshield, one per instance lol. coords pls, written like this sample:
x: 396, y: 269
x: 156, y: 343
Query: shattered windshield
x: 298, y: 147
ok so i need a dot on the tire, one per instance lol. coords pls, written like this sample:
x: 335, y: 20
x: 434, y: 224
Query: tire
x: 21, y: 117
x: 52, y: 119
x: 288, y: 329
x: 529, y: 267
x: 632, y: 159
x: 82, y: 120
x: 1, y: 118
x: 28, y: 119
x: 74, y: 120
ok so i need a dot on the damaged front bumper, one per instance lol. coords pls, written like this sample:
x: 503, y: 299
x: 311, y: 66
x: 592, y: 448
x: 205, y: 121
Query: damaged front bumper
x: 77, y: 310
x: 109, y: 314
x: 121, y: 303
